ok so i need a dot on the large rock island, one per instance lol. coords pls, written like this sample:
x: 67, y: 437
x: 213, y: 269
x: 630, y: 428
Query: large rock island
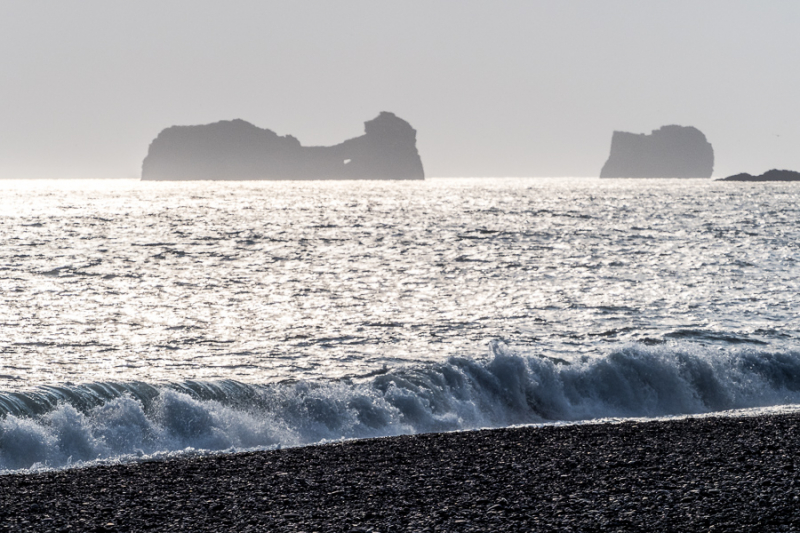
x: 770, y: 175
x: 238, y: 150
x: 668, y: 152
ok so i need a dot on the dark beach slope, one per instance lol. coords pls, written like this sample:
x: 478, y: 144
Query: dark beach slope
x: 736, y: 474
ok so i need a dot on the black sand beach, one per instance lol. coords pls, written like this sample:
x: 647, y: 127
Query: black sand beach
x: 709, y: 474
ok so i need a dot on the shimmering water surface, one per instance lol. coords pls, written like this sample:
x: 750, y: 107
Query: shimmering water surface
x: 267, y: 281
x: 140, y: 319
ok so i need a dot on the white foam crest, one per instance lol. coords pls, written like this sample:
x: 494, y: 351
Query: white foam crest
x: 504, y: 389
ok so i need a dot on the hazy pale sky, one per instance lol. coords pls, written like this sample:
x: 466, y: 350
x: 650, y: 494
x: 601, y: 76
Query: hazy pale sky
x: 494, y: 88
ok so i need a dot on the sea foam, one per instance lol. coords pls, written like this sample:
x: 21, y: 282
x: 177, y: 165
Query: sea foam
x: 58, y: 426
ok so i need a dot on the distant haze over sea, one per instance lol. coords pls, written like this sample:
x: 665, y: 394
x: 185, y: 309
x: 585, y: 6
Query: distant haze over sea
x: 516, y: 88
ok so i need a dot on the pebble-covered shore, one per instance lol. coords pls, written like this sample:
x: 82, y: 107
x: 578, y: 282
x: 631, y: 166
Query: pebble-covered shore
x: 704, y: 474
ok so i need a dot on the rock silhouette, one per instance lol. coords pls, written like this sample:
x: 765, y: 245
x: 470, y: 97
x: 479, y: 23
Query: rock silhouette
x: 238, y: 150
x: 668, y: 152
x: 770, y: 175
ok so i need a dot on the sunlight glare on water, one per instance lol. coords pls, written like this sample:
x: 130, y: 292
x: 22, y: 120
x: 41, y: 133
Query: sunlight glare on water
x: 268, y: 281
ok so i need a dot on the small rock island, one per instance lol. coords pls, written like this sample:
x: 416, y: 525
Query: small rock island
x: 770, y: 175
x: 238, y: 150
x: 668, y: 152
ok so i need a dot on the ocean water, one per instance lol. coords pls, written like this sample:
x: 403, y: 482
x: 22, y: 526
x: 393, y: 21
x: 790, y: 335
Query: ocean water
x: 142, y: 319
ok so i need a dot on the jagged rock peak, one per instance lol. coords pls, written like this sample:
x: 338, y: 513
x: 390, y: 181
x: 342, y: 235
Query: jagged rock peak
x: 238, y: 150
x: 668, y: 152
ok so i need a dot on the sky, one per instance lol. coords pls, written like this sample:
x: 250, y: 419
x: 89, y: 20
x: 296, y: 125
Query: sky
x: 508, y: 88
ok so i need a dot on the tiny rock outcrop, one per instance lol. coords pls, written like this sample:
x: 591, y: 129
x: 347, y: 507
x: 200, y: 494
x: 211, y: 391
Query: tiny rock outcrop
x: 238, y: 150
x: 770, y: 175
x: 668, y: 152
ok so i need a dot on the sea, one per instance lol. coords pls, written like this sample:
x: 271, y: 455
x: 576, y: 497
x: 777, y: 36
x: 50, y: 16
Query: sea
x: 144, y: 320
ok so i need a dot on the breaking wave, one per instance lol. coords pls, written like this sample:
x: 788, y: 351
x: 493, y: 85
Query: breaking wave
x: 59, y: 426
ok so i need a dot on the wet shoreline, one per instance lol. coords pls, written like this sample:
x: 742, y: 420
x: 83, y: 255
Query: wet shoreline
x: 735, y: 474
